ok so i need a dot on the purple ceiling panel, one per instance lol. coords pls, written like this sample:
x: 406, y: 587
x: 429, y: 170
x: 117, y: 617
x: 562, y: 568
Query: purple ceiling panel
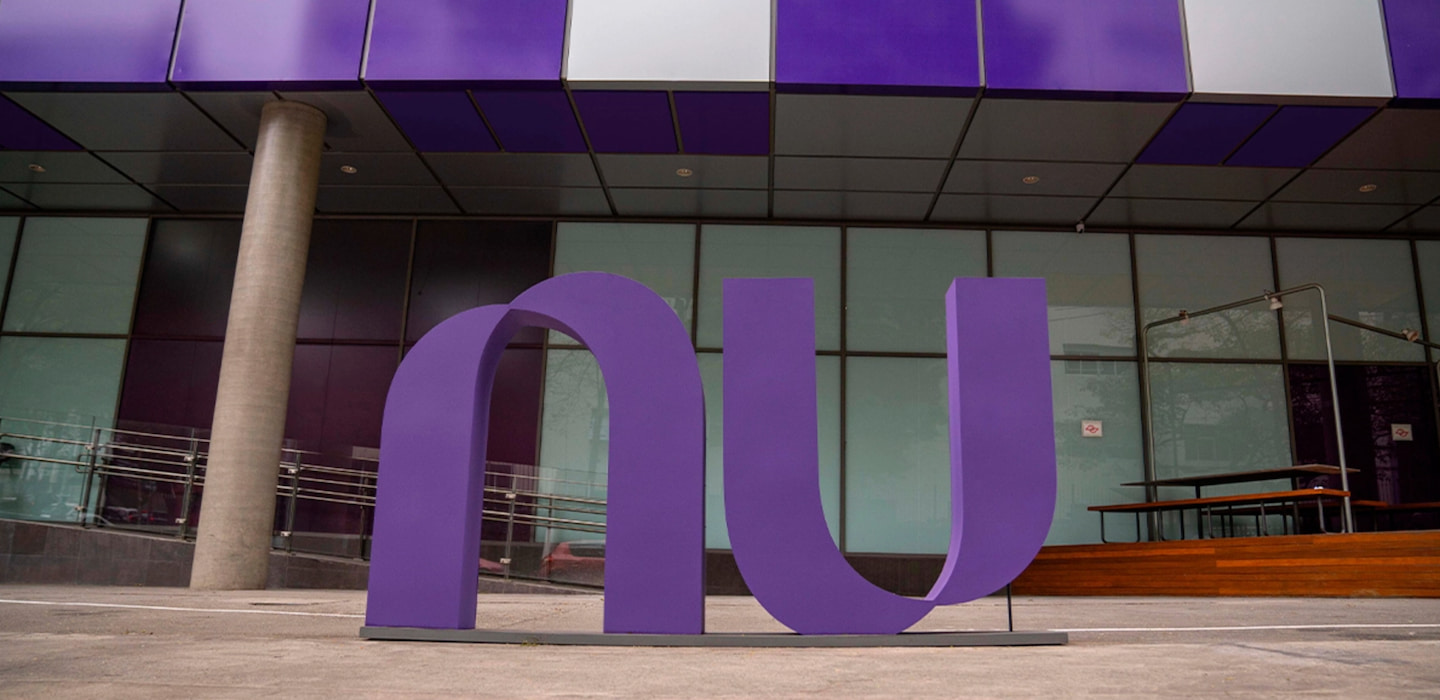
x: 439, y: 121
x: 87, y: 43
x: 1204, y: 134
x: 467, y: 41
x: 1297, y: 135
x: 834, y: 44
x: 1413, y: 26
x: 627, y: 122
x: 309, y: 44
x: 1096, y: 46
x: 532, y: 121
x: 724, y: 123
x: 22, y: 131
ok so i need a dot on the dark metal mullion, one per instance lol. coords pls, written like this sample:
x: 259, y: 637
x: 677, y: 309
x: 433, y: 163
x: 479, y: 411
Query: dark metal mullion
x: 840, y: 517
x: 1431, y: 368
x: 409, y: 281
x: 1284, y: 352
x: 10, y: 272
x: 1147, y: 466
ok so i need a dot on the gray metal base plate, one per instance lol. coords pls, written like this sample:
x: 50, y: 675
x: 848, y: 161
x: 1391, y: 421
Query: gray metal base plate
x: 907, y: 639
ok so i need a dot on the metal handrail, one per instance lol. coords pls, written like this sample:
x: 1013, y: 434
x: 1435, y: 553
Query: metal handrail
x: 515, y: 494
x: 1151, y: 492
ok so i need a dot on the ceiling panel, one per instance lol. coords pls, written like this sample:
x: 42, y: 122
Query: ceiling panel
x: 514, y: 169
x: 1006, y: 177
x: 132, y: 121
x: 1325, y: 217
x: 1205, y: 134
x: 58, y: 167
x: 1201, y: 182
x: 859, y: 206
x: 439, y: 121
x: 1396, y: 139
x: 1111, y: 132
x: 356, y: 122
x: 536, y: 201
x: 854, y: 125
x: 749, y: 204
x: 1426, y: 220
x: 147, y: 167
x: 1002, y: 209
x: 205, y: 198
x: 627, y: 121
x: 1362, y: 186
x: 1171, y: 213
x: 237, y: 112
x: 859, y: 174
x: 384, y: 200
x: 20, y: 130
x: 89, y: 197
x: 724, y: 123
x: 532, y: 121
x: 374, y: 169
x: 9, y: 202
x: 707, y: 172
x: 1297, y: 135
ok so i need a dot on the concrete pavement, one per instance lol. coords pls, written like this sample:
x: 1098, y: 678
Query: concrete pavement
x: 111, y: 642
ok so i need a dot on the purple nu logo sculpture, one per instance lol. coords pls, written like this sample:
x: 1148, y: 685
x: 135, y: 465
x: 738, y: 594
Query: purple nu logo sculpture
x: 423, y: 570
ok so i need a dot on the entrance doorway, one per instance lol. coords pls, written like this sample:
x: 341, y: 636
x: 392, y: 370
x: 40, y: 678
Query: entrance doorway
x: 1388, y: 414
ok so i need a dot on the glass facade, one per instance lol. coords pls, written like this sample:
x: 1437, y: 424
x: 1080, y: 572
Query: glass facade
x: 121, y: 323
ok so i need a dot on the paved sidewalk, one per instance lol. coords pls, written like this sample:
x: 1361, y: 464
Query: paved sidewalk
x: 82, y: 642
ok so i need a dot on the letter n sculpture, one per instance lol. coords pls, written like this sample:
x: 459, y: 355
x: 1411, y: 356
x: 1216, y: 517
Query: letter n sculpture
x: 424, y: 566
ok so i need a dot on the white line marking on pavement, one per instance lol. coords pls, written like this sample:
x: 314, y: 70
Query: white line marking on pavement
x: 175, y: 609
x: 1243, y: 628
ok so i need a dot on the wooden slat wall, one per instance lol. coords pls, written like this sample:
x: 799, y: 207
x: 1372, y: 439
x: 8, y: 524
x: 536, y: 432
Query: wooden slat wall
x: 1383, y: 564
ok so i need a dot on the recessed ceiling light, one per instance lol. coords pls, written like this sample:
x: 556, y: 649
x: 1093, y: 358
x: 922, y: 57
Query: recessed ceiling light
x: 349, y: 169
x: 684, y: 172
x: 36, y: 167
x: 1030, y: 179
x: 1369, y: 188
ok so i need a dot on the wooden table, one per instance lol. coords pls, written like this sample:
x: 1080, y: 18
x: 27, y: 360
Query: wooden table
x: 1204, y: 506
x: 1293, y: 473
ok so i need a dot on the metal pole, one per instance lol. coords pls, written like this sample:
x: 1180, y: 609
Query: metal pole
x: 1346, y: 516
x: 289, y: 533
x: 187, y: 500
x: 83, y: 508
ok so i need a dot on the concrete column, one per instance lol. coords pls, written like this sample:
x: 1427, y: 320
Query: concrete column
x: 232, y: 548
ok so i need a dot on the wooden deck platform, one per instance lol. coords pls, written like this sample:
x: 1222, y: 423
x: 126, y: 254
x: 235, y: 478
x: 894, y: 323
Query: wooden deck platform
x: 1377, y: 564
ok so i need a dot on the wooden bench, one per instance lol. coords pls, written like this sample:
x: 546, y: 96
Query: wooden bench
x: 1206, y: 507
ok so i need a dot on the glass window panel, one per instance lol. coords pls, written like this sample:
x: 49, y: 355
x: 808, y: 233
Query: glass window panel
x: 189, y: 274
x: 1198, y: 272
x: 1090, y: 470
x: 659, y: 256
x: 896, y: 283
x: 462, y: 264
x: 76, y: 276
x: 897, y: 456
x: 1087, y: 282
x: 827, y: 389
x: 770, y: 251
x: 574, y: 440
x: 355, y: 280
x: 68, y: 385
x: 1217, y: 418
x: 9, y: 229
x: 1429, y: 258
x: 1369, y: 281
